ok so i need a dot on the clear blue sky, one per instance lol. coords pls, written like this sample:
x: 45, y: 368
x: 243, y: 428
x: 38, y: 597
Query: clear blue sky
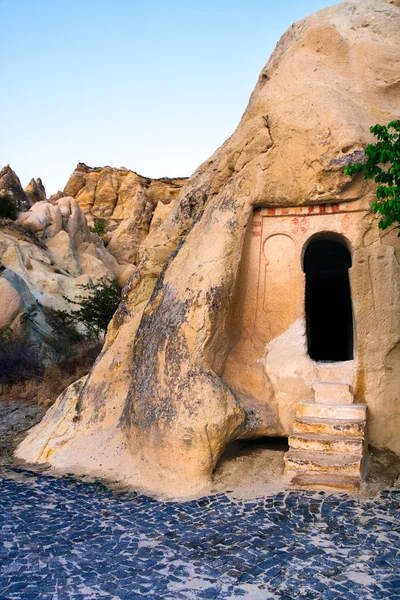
x: 152, y: 85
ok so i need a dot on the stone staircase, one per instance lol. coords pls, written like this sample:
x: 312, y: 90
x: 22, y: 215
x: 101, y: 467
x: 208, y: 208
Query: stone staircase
x: 327, y: 447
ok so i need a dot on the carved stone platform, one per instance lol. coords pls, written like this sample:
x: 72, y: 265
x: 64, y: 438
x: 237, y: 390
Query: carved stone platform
x: 327, y: 447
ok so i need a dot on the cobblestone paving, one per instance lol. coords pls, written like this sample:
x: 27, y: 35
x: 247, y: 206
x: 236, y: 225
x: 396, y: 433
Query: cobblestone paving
x: 66, y: 539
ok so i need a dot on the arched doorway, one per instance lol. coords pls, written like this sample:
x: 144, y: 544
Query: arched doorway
x: 329, y: 315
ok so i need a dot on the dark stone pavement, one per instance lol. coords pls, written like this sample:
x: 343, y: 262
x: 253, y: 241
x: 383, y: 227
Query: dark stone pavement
x: 62, y: 538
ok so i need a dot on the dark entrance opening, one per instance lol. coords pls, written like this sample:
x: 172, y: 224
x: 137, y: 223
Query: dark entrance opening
x: 329, y: 314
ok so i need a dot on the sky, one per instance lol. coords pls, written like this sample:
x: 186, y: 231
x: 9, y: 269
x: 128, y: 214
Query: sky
x: 155, y: 86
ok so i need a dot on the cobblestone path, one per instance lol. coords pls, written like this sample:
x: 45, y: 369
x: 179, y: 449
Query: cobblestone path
x: 66, y: 539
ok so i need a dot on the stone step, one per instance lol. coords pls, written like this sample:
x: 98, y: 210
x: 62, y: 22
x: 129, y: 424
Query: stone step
x: 332, y: 393
x: 339, y: 427
x: 331, y: 411
x: 327, y: 462
x: 321, y: 481
x: 311, y: 442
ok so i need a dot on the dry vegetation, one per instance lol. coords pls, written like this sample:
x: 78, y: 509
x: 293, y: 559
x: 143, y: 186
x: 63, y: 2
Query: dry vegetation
x: 45, y: 385
x: 37, y: 369
x: 37, y: 372
x: 20, y: 233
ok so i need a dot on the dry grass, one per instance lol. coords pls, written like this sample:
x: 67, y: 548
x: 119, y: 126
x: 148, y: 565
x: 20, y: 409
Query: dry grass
x: 45, y: 389
x: 20, y: 233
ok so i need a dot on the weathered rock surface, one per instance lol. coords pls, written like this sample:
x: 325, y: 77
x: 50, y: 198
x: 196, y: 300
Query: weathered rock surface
x: 202, y: 350
x: 35, y: 190
x: 16, y: 417
x: 10, y: 304
x: 125, y: 201
x: 24, y: 318
x: 10, y: 183
x: 54, y: 197
x: 45, y: 259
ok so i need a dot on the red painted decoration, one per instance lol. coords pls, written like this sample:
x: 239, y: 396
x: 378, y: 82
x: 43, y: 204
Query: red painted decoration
x: 299, y: 225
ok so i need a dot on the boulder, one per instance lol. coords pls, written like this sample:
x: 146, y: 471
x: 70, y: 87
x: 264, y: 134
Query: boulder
x: 74, y: 221
x: 54, y: 197
x: 23, y: 318
x: 64, y: 253
x: 66, y: 257
x: 34, y: 313
x: 10, y: 304
x: 209, y: 342
x: 43, y: 218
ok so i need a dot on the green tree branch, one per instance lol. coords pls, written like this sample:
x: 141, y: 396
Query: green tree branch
x: 383, y: 166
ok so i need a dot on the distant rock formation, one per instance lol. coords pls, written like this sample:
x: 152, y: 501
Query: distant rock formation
x: 51, y: 251
x: 10, y: 183
x: 209, y: 343
x: 35, y: 190
x: 125, y: 201
x: 45, y: 258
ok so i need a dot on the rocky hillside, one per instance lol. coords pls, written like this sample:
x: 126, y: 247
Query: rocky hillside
x: 50, y: 251
x: 129, y: 204
x: 45, y: 259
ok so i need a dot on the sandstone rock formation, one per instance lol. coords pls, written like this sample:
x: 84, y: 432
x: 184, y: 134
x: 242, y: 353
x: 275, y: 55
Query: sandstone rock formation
x: 45, y: 258
x: 35, y: 190
x: 10, y: 183
x: 125, y: 201
x: 22, y: 315
x: 10, y: 305
x: 209, y: 343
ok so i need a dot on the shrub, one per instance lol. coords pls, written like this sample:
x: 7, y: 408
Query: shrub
x: 64, y: 324
x: 43, y: 387
x: 99, y: 227
x: 19, y: 360
x: 23, y: 372
x: 98, y: 308
x: 8, y: 206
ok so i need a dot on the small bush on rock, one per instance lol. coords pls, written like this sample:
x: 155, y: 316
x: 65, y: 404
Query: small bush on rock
x: 67, y: 333
x: 98, y: 308
x: 99, y: 227
x: 8, y: 206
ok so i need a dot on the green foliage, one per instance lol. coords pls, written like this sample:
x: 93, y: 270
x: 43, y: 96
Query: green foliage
x: 97, y: 309
x: 98, y: 227
x: 383, y: 166
x: 65, y: 325
x: 8, y: 206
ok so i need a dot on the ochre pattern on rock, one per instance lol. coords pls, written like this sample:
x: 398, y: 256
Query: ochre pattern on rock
x: 184, y: 369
